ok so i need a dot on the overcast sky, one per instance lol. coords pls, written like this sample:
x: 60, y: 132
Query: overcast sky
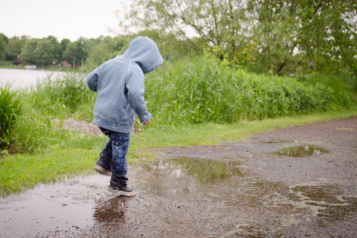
x: 62, y: 18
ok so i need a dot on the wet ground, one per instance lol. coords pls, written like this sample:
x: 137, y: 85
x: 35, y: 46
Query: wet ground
x: 295, y: 182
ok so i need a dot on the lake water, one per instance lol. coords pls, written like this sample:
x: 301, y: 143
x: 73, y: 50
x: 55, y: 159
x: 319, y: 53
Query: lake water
x: 22, y: 78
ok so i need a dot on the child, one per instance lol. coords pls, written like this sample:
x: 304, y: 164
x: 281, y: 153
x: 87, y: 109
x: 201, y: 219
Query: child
x: 119, y: 84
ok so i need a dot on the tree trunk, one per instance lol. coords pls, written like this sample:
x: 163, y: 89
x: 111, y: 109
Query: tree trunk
x: 278, y: 72
x: 232, y: 26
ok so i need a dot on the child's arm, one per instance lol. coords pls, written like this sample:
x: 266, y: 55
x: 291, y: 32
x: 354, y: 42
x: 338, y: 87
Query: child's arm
x: 135, y: 86
x: 92, y: 80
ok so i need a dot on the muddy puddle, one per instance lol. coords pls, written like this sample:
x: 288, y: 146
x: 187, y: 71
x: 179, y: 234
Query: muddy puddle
x: 302, y: 151
x: 180, y: 197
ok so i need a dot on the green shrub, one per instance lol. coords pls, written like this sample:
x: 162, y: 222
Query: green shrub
x: 10, y: 109
x: 201, y: 91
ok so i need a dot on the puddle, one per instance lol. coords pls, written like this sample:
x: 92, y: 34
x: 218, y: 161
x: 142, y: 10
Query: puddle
x: 203, y: 170
x: 302, y: 151
x: 327, y: 201
x: 181, y: 197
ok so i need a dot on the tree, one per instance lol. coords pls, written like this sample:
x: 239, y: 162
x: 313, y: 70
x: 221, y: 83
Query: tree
x: 63, y: 47
x: 305, y: 30
x: 105, y: 48
x: 75, y: 51
x: 45, y: 51
x: 289, y: 32
x: 14, y: 47
x: 55, y: 46
x: 3, y: 44
x: 27, y: 53
x: 218, y: 23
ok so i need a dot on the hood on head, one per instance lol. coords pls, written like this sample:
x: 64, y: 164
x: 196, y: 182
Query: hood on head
x: 144, y: 51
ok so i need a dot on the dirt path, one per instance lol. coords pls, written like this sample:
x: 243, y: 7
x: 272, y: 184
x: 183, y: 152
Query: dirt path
x: 295, y: 182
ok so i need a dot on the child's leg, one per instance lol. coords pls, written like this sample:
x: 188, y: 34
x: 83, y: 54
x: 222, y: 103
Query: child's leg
x: 105, y: 159
x: 120, y: 146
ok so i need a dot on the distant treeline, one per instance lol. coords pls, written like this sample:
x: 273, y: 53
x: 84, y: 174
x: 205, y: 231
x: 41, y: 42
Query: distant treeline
x: 48, y: 50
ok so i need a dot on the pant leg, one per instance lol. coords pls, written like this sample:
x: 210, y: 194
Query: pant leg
x: 120, y: 146
x: 105, y: 158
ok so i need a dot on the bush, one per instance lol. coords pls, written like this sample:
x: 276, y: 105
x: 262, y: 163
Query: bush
x: 10, y: 109
x: 201, y: 91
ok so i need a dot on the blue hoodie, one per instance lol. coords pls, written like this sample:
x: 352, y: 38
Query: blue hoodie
x: 119, y: 84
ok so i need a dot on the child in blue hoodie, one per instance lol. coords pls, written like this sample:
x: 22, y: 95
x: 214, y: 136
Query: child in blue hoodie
x: 119, y: 84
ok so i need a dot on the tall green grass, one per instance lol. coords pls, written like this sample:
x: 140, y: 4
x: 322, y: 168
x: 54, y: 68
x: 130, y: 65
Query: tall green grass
x: 10, y: 110
x: 34, y: 132
x: 346, y: 81
x: 199, y: 90
x: 67, y: 96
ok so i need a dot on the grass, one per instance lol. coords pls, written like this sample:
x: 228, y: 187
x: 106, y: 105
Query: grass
x: 10, y: 109
x: 63, y: 97
x: 75, y: 155
x: 23, y: 170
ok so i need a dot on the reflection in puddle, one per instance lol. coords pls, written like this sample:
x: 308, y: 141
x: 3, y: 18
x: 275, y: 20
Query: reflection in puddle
x: 302, y: 151
x: 204, y: 171
x: 110, y: 210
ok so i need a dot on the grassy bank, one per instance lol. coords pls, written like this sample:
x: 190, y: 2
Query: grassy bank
x: 193, y: 103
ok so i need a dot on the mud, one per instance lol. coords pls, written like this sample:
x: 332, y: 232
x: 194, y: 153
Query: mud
x: 232, y: 190
x: 79, y: 126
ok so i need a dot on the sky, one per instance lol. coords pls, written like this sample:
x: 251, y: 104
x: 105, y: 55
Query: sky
x: 62, y: 18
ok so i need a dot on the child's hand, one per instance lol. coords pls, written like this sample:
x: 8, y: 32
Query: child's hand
x: 147, y: 122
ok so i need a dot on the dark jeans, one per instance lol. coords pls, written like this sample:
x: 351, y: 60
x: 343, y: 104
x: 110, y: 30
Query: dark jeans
x: 113, y: 156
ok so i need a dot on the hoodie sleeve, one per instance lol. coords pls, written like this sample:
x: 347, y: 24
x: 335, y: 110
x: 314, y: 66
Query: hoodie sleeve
x: 92, y: 80
x: 135, y: 86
